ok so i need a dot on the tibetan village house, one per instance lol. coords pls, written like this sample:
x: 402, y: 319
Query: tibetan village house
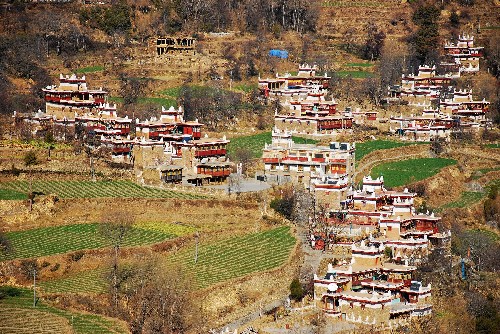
x: 430, y: 125
x: 312, y: 115
x: 423, y: 88
x: 377, y: 285
x: 288, y: 86
x: 464, y: 53
x: 463, y: 105
x: 325, y: 169
x: 72, y: 97
x: 371, y: 290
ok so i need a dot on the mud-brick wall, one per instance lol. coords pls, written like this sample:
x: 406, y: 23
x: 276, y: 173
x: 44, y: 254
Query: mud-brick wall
x: 148, y: 156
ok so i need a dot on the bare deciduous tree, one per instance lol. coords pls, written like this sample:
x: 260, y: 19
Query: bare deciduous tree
x: 114, y: 228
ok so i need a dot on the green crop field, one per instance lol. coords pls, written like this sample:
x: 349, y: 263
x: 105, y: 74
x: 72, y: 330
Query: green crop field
x: 17, y: 315
x: 90, y: 189
x: 217, y: 261
x: 367, y: 147
x: 493, y: 145
x: 236, y: 257
x: 89, y: 69
x: 404, y: 172
x: 172, y: 92
x: 87, y: 282
x: 246, y: 88
x: 359, y: 64
x: 68, y: 238
x: 355, y: 74
x: 255, y: 143
x: 156, y: 101
x: 12, y: 194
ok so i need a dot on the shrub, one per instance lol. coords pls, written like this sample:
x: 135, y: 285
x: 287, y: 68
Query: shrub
x: 454, y: 19
x: 296, y: 290
x: 283, y: 206
x: 9, y: 291
x: 388, y: 252
x: 76, y: 256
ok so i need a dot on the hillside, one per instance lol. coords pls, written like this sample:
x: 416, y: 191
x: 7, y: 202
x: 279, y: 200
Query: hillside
x: 111, y: 255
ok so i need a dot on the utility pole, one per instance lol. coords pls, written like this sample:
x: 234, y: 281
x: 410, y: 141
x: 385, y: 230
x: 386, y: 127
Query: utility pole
x: 34, y: 286
x: 197, y: 237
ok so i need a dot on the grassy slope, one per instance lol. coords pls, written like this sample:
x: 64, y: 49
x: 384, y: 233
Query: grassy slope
x: 407, y: 171
x: 17, y: 315
x: 89, y: 189
x: 469, y: 198
x: 217, y: 261
x: 68, y: 238
x: 466, y: 199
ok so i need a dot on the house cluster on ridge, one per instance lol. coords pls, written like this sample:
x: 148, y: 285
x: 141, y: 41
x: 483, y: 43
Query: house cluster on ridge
x: 304, y: 108
x: 318, y: 168
x: 445, y: 109
x: 172, y: 146
x: 385, y: 238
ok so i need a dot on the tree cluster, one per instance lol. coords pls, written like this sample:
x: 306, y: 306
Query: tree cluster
x: 212, y: 106
x: 295, y: 204
x: 249, y: 15
x: 115, y: 18
x: 426, y: 39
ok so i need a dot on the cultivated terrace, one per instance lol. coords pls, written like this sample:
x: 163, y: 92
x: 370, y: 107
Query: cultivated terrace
x: 249, y: 166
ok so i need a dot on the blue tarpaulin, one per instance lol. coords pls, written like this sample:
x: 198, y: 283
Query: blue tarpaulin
x: 278, y: 53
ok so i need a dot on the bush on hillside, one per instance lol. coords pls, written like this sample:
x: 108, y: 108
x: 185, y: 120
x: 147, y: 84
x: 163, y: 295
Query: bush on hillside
x: 296, y: 290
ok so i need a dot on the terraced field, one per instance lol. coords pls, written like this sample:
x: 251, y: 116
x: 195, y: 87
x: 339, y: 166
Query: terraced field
x: 350, y: 3
x: 89, y: 189
x: 88, y: 282
x: 12, y: 194
x: 404, y: 172
x: 469, y: 198
x: 237, y: 257
x: 217, y: 262
x: 69, y: 238
x: 18, y: 316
